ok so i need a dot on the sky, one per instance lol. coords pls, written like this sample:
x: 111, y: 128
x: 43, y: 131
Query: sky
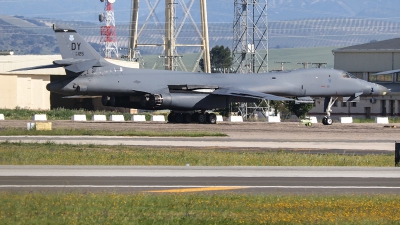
x: 218, y: 10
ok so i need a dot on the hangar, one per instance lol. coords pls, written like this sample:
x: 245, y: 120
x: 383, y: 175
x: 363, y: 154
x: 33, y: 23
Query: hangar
x: 364, y: 61
x: 27, y: 89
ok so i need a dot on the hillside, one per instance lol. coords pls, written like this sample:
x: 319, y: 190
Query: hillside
x: 88, y: 10
x: 34, y: 35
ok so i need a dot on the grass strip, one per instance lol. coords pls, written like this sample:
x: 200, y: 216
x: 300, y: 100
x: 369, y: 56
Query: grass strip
x: 103, y: 208
x: 66, y: 154
x: 86, y: 132
x: 59, y: 114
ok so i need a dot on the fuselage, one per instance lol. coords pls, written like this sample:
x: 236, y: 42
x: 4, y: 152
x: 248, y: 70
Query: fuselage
x: 114, y: 80
x: 89, y: 74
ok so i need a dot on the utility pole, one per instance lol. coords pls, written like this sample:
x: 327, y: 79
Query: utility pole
x: 282, y: 64
x: 169, y: 41
x: 133, y: 41
x: 205, y: 40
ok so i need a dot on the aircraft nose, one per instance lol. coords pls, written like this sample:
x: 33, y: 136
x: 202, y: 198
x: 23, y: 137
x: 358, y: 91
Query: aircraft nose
x: 379, y: 90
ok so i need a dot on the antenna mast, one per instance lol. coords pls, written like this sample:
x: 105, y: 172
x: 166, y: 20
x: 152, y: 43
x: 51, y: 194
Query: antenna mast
x: 108, y: 31
x: 250, y: 40
x: 250, y: 45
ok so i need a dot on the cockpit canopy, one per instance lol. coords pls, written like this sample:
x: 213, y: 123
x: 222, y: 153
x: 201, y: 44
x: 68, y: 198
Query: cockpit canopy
x: 348, y: 75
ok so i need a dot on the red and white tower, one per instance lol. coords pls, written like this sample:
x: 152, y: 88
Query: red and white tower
x: 108, y: 31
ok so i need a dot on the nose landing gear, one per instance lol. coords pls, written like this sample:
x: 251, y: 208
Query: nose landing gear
x: 327, y: 120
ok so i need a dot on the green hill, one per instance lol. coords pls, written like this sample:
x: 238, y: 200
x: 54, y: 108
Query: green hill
x: 292, y: 55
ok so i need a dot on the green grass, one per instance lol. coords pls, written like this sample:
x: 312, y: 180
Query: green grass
x: 361, y: 120
x: 65, y: 154
x: 85, y: 132
x: 103, y: 208
x: 59, y: 114
x: 300, y: 55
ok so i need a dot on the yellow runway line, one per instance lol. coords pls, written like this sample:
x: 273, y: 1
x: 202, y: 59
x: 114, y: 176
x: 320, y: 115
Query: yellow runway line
x: 184, y: 190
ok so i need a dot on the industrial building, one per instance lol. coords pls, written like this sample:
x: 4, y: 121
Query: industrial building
x: 364, y: 61
x: 26, y: 89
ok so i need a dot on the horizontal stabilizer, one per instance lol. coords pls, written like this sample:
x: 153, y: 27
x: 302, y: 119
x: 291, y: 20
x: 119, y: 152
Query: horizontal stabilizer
x: 68, y: 62
x: 82, y: 65
x: 52, y: 66
x: 73, y: 65
x: 248, y: 94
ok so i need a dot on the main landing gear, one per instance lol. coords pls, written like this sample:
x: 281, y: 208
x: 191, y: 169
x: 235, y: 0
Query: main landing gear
x: 197, y: 117
x: 328, y: 109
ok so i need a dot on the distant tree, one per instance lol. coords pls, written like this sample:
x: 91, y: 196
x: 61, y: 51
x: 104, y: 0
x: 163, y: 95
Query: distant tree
x: 300, y: 110
x: 221, y: 59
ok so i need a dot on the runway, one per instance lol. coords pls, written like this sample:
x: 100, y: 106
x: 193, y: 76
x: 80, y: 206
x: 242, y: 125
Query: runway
x: 253, y: 180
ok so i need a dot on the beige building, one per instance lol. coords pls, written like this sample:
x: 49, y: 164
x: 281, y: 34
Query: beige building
x: 27, y: 89
x: 364, y: 61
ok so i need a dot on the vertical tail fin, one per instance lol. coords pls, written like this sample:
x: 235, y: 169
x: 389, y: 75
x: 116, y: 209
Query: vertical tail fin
x: 72, y: 45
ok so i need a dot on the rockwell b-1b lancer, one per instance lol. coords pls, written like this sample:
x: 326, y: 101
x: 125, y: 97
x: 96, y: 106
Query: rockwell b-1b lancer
x: 185, y: 93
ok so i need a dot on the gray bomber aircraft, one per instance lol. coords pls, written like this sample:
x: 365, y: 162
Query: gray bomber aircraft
x: 88, y: 74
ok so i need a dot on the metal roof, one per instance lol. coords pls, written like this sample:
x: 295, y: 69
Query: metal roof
x: 391, y: 45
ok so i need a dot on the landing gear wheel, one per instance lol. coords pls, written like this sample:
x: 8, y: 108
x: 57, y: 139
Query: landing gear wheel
x: 171, y: 117
x: 179, y: 118
x: 187, y: 118
x: 327, y: 121
x: 212, y: 118
x: 328, y: 103
x: 195, y: 117
x: 202, y: 118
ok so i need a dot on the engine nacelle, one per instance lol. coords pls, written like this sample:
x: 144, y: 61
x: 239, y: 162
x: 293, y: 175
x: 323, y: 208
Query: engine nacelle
x: 194, y: 101
x: 173, y: 101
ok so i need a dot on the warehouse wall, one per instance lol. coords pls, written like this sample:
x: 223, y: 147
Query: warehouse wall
x: 367, y: 61
x: 24, y: 91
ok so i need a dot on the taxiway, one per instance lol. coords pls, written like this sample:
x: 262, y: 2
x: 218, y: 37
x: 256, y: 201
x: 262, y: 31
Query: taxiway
x: 256, y: 180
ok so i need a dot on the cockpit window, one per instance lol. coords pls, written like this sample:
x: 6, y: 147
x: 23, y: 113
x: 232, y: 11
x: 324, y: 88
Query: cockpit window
x: 348, y: 75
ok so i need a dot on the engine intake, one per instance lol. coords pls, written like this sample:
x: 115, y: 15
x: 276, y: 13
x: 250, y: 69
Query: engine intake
x: 155, y: 100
